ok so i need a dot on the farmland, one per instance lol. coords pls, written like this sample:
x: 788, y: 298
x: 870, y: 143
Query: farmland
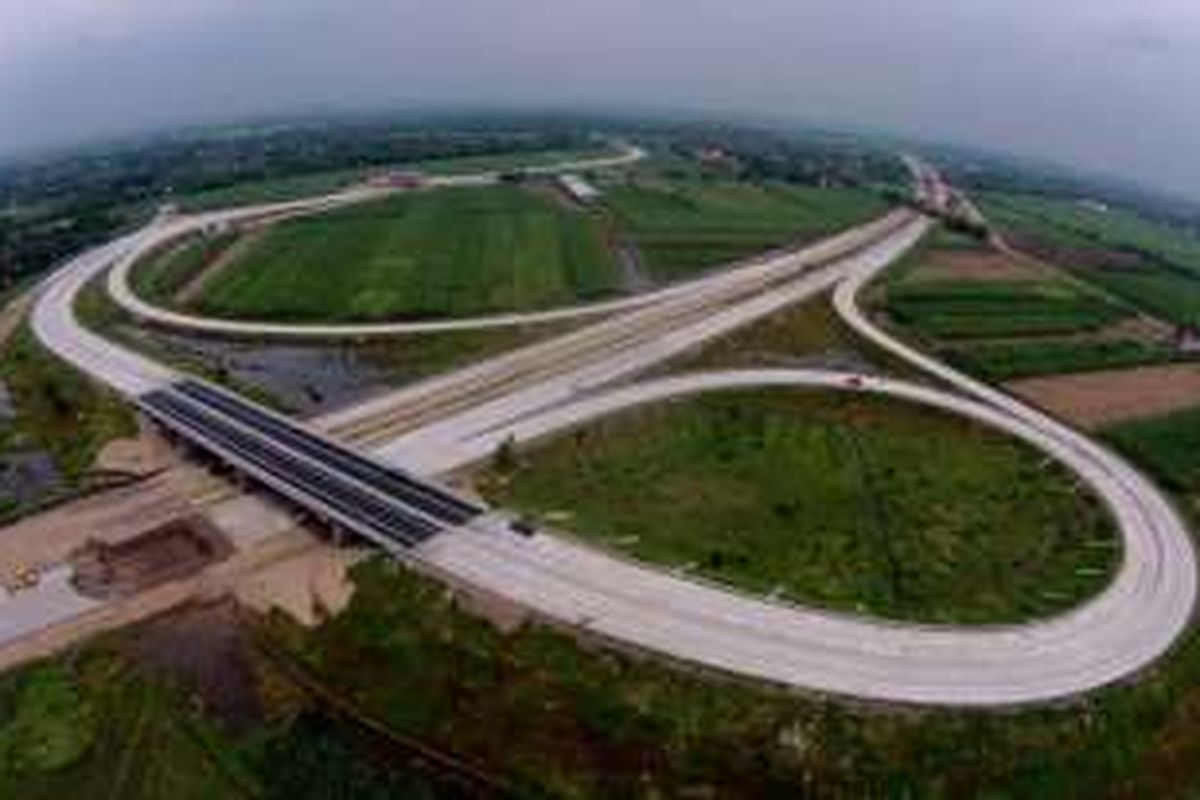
x: 1004, y: 361
x: 430, y: 254
x: 848, y: 503
x: 1002, y: 318
x: 971, y: 310
x: 951, y: 291
x: 684, y: 226
x: 1106, y: 397
x: 1168, y: 445
x: 1154, y: 266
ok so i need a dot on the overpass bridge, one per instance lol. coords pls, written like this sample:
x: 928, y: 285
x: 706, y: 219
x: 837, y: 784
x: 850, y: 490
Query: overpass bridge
x: 341, y: 486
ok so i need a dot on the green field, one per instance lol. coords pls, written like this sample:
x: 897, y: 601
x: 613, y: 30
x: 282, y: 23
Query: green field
x: 810, y: 328
x: 1161, y: 273
x: 1163, y: 294
x: 99, y: 725
x: 58, y: 409
x: 1030, y: 320
x: 681, y: 227
x: 1075, y: 223
x: 97, y: 729
x: 1001, y: 361
x: 559, y: 720
x: 1169, y: 446
x: 545, y: 717
x: 846, y: 502
x: 953, y: 309
x: 164, y: 273
x: 441, y: 253
x: 274, y: 190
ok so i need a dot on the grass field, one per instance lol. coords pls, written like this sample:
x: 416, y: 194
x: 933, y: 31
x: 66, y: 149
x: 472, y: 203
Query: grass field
x: 58, y: 409
x: 849, y: 503
x: 164, y: 273
x: 681, y: 227
x: 1076, y: 223
x: 1169, y: 446
x: 550, y: 718
x: 97, y: 729
x: 99, y: 725
x: 809, y: 329
x: 559, y: 720
x: 1163, y: 294
x: 274, y: 190
x: 432, y: 254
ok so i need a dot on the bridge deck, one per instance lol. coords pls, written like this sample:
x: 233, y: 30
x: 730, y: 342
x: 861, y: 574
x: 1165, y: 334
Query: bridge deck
x: 386, y: 505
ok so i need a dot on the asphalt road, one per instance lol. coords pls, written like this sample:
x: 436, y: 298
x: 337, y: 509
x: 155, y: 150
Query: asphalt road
x: 1111, y: 637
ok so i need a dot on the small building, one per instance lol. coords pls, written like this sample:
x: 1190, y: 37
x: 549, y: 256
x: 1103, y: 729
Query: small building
x: 580, y: 190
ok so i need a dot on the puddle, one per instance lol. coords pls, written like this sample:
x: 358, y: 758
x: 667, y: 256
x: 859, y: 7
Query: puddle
x: 305, y: 379
x: 7, y: 409
x: 24, y: 477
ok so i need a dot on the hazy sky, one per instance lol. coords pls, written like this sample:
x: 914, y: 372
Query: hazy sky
x: 1101, y: 83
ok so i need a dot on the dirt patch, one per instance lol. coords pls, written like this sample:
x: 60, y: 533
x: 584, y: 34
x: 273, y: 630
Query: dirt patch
x: 206, y: 650
x: 176, y: 550
x: 139, y: 455
x: 114, y: 516
x: 1096, y: 399
x: 310, y: 587
x: 977, y: 265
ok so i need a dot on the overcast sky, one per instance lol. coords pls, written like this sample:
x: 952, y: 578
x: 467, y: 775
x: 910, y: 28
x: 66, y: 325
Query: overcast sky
x: 1099, y: 83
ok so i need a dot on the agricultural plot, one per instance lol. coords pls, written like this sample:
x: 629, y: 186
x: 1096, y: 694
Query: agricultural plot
x: 1001, y: 318
x: 847, y: 503
x: 441, y: 253
x: 1002, y: 361
x: 1151, y: 265
x: 1103, y: 398
x: 974, y: 310
x: 681, y: 227
x: 1169, y: 446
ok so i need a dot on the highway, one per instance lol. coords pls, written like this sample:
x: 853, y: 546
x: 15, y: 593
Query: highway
x: 549, y: 387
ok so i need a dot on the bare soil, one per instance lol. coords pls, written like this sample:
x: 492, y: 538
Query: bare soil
x: 1095, y: 399
x: 114, y: 516
x: 175, y: 550
x: 310, y: 587
x: 140, y: 455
